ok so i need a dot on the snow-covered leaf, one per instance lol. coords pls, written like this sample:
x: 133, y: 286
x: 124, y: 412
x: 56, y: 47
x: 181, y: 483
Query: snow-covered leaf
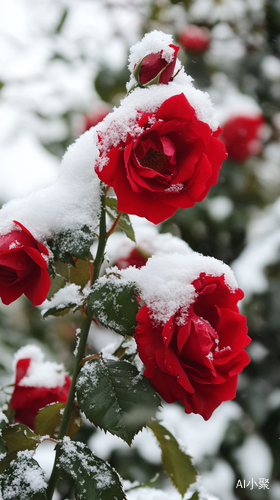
x: 115, y: 306
x: 65, y: 299
x: 18, y: 437
x: 72, y: 244
x: 23, y: 479
x: 94, y: 478
x: 116, y: 397
x: 177, y: 464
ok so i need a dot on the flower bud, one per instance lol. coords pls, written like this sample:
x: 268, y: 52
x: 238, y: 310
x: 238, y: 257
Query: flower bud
x: 155, y: 66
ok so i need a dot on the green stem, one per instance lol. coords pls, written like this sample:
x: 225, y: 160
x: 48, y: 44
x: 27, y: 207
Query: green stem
x: 81, y: 348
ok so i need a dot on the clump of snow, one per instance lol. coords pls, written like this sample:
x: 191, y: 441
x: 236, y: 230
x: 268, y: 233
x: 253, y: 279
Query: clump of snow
x: 70, y: 294
x: 27, y: 478
x: 165, y: 282
x: 151, y: 43
x: 40, y: 373
x: 148, y: 241
x: 72, y: 201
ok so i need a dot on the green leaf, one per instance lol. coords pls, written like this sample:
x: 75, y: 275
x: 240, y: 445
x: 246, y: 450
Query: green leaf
x: 18, y: 437
x: 3, y: 447
x: 124, y: 223
x: 59, y: 311
x: 195, y: 496
x: 115, y: 306
x: 116, y: 397
x: 58, y: 305
x: 94, y: 478
x: 148, y: 484
x: 56, y: 284
x: 79, y: 274
x: 72, y: 243
x: 177, y: 464
x: 23, y: 479
x: 49, y: 419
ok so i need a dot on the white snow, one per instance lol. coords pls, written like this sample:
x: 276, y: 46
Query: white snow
x: 148, y: 240
x: 219, y: 207
x: 152, y: 43
x: 70, y: 294
x: 261, y: 250
x: 72, y: 201
x: 32, y: 483
x: 254, y: 458
x: 165, y: 282
x: 40, y: 373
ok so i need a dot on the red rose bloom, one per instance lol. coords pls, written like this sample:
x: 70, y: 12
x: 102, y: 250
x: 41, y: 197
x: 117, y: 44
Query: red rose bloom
x: 28, y: 400
x: 23, y: 267
x: 195, y: 38
x: 196, y: 359
x: 241, y: 136
x: 153, y: 64
x: 171, y: 163
x: 134, y: 258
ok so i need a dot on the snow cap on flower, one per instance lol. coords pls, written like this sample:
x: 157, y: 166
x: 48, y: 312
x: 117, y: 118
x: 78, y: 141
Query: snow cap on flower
x: 123, y: 252
x: 38, y: 383
x: 155, y: 42
x: 122, y: 120
x: 40, y: 373
x: 165, y: 282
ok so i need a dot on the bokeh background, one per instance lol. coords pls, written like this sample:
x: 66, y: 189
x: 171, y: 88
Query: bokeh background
x: 63, y: 65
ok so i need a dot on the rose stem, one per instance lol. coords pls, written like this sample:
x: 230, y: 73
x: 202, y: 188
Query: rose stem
x: 82, y: 345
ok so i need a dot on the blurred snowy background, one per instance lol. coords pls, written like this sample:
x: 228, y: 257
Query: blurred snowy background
x: 63, y: 65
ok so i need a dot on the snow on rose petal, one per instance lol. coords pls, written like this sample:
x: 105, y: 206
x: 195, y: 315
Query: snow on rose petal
x: 37, y: 384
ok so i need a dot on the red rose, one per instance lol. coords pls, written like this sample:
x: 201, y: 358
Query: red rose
x: 134, y: 258
x: 27, y: 400
x: 195, y: 38
x: 241, y: 136
x: 196, y: 358
x: 170, y: 162
x: 23, y: 267
x: 153, y: 64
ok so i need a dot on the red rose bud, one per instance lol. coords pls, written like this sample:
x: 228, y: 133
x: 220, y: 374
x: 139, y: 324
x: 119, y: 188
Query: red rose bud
x: 23, y: 267
x: 196, y: 357
x: 172, y: 163
x: 195, y: 38
x: 242, y: 136
x: 154, y: 65
x: 38, y: 383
